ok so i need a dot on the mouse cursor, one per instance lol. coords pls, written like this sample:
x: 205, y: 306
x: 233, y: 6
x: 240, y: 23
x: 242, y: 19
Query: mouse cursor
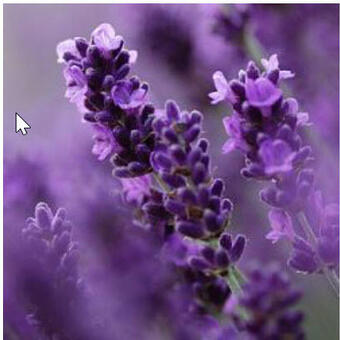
x: 21, y: 124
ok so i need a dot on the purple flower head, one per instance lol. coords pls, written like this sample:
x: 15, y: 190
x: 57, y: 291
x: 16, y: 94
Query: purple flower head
x: 272, y: 65
x: 281, y: 224
x: 136, y: 190
x: 276, y: 156
x: 105, y: 38
x: 183, y: 163
x: 232, y: 126
x: 96, y: 73
x: 269, y: 304
x: 262, y: 93
x: 52, y: 284
x: 129, y: 96
x: 223, y: 90
x: 104, y: 142
x: 76, y: 86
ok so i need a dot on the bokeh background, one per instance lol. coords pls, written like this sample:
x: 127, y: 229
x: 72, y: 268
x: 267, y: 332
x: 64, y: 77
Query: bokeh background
x: 179, y: 46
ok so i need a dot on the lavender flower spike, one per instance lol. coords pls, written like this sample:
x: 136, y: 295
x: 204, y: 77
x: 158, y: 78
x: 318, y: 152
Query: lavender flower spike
x: 266, y: 128
x: 268, y: 301
x: 96, y: 74
x: 52, y: 284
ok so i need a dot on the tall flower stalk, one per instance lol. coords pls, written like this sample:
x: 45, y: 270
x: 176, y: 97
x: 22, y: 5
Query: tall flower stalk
x: 266, y: 128
x: 164, y: 165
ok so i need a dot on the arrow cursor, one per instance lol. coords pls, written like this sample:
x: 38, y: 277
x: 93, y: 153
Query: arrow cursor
x: 21, y: 124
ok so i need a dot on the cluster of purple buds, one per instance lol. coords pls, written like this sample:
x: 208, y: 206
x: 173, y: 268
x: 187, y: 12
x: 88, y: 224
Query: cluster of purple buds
x: 265, y: 127
x: 205, y: 268
x: 96, y: 74
x: 182, y: 162
x: 52, y: 284
x: 268, y: 301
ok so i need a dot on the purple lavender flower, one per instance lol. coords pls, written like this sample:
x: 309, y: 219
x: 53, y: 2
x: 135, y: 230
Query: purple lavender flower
x: 268, y: 301
x: 51, y: 283
x: 265, y: 127
x: 96, y: 78
x: 183, y: 163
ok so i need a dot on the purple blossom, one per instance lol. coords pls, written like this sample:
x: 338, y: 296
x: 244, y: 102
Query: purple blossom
x: 104, y: 142
x: 276, y: 156
x: 96, y: 74
x: 281, y: 224
x: 223, y: 90
x: 136, y: 190
x: 265, y: 127
x: 269, y: 301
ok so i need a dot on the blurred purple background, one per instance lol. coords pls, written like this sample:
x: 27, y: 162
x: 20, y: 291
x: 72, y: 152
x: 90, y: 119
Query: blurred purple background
x: 54, y: 161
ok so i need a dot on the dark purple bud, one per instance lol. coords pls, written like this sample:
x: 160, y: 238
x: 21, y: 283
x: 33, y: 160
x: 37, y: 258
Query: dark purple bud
x: 170, y: 135
x: 178, y: 154
x: 187, y: 195
x: 163, y: 160
x: 191, y: 229
x: 121, y: 172
x: 143, y: 153
x: 203, y: 144
x: 172, y: 110
x: 155, y: 210
x: 238, y: 88
x: 123, y: 58
x: 81, y: 45
x: 108, y: 82
x: 205, y: 159
x: 215, y: 204
x: 194, y: 156
x: 198, y: 263
x: 175, y: 207
x: 90, y: 117
x: 93, y: 55
x: 227, y: 205
x: 203, y: 196
x: 217, y: 187
x: 195, y: 117
x: 136, y: 168
x: 226, y: 241
x: 122, y: 72
x: 222, y: 258
x: 237, y: 248
x: 121, y: 136
x: 199, y: 173
x: 210, y: 219
x: 252, y: 71
x: 174, y: 181
x: 158, y: 125
x: 135, y: 136
x: 208, y: 253
x: 274, y: 76
x: 192, y: 133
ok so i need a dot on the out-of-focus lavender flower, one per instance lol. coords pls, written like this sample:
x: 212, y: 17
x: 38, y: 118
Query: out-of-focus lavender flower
x: 51, y: 284
x: 268, y: 302
x: 265, y: 127
x: 231, y: 21
x: 96, y: 78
